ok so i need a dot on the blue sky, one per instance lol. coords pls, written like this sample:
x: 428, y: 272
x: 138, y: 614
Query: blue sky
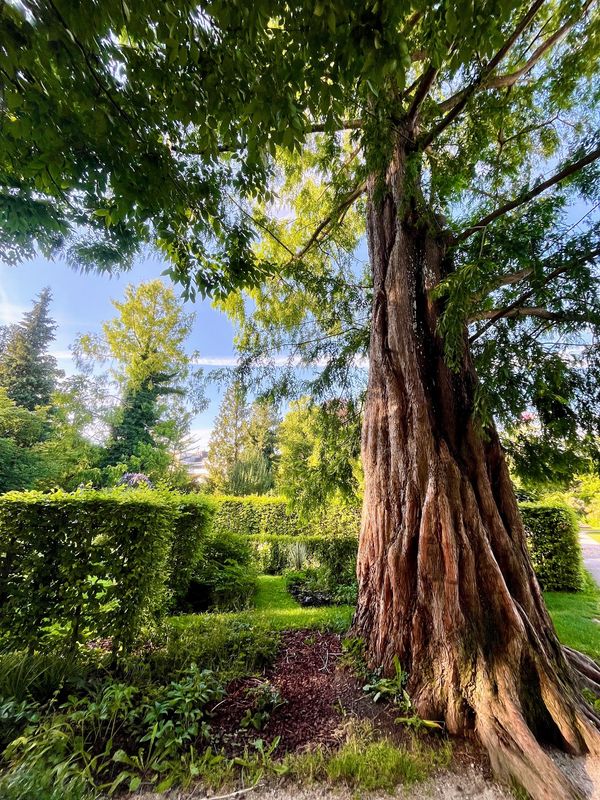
x: 83, y: 301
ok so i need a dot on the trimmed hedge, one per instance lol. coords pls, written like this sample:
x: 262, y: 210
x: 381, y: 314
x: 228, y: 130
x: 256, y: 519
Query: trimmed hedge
x: 84, y: 561
x: 95, y: 562
x: 337, y: 555
x: 191, y: 526
x: 254, y: 515
x: 279, y: 535
x: 552, y: 536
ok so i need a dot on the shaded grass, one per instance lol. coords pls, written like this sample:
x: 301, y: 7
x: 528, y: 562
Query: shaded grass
x: 574, y: 615
x: 277, y: 610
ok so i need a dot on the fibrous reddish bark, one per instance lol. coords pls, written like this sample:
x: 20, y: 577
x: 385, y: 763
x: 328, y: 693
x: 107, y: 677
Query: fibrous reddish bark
x: 445, y: 579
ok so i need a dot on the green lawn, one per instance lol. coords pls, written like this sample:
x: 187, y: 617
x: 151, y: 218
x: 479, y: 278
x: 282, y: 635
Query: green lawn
x: 574, y: 615
x: 276, y: 608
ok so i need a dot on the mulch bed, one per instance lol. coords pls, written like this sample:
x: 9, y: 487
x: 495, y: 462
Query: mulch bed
x: 320, y: 695
x: 315, y: 689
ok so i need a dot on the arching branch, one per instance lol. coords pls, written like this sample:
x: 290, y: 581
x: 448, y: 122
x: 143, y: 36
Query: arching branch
x: 347, y: 201
x: 484, y: 74
x: 530, y: 311
x: 510, y: 78
x: 343, y: 125
x: 529, y: 195
x: 525, y: 296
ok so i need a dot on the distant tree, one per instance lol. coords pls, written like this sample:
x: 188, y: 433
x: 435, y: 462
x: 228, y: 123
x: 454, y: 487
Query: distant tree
x: 21, y: 463
x: 319, y: 454
x: 153, y: 373
x: 228, y: 437
x: 136, y: 419
x: 27, y: 371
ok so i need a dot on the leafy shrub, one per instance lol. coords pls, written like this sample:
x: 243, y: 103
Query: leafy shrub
x: 41, y: 676
x: 88, y: 561
x: 120, y: 734
x: 223, y: 578
x: 228, y: 645
x: 191, y: 527
x: 553, y: 541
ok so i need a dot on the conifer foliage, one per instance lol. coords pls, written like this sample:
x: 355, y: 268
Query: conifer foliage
x: 27, y: 369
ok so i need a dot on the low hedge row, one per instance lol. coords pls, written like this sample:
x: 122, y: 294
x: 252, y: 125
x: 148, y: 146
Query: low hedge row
x: 337, y: 554
x: 551, y: 535
x: 99, y: 562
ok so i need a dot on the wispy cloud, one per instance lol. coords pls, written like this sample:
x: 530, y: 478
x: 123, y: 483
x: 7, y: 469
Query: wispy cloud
x: 360, y: 362
x: 62, y: 355
x: 10, y: 312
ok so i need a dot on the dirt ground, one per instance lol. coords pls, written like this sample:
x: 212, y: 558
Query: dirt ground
x: 318, y: 695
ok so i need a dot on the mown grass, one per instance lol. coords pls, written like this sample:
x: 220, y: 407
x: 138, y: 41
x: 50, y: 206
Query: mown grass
x: 276, y: 609
x: 575, y: 616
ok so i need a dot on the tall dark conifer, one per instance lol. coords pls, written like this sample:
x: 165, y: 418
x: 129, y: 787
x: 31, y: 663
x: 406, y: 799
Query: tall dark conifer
x: 27, y: 370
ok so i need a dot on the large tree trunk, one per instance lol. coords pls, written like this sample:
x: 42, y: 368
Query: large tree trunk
x: 445, y: 579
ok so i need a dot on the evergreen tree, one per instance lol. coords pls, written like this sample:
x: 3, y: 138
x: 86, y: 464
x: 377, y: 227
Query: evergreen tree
x: 27, y: 370
x: 228, y: 437
x: 253, y: 473
x: 136, y: 420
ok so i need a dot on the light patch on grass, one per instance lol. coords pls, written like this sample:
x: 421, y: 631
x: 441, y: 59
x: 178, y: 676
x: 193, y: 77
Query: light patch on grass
x: 575, y: 616
x: 368, y: 763
x: 276, y: 609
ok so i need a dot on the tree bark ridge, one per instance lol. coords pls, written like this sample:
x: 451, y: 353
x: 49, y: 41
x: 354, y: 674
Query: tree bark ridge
x: 445, y: 579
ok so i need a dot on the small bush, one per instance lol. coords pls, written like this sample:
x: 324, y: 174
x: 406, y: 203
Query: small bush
x: 41, y: 676
x: 90, y: 561
x: 223, y: 578
x: 119, y: 735
x: 229, y: 646
x: 552, y: 536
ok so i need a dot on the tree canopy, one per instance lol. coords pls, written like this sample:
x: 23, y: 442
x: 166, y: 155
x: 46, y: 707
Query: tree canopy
x: 238, y: 139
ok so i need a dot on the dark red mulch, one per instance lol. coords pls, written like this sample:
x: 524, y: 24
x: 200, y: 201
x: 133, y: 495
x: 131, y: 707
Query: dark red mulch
x: 316, y: 692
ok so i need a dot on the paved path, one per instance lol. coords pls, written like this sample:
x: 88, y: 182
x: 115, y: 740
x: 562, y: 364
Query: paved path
x: 591, y: 552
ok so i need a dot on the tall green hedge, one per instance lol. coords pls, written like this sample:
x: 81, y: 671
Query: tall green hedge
x: 552, y: 536
x: 191, y: 525
x: 273, y: 553
x: 95, y: 562
x: 252, y: 515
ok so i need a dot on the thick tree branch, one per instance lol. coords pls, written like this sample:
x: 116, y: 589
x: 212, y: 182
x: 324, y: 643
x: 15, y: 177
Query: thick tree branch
x: 423, y: 87
x: 525, y: 296
x: 482, y: 77
x: 340, y: 209
x: 344, y: 125
x: 525, y: 197
x: 511, y: 78
x: 505, y: 280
